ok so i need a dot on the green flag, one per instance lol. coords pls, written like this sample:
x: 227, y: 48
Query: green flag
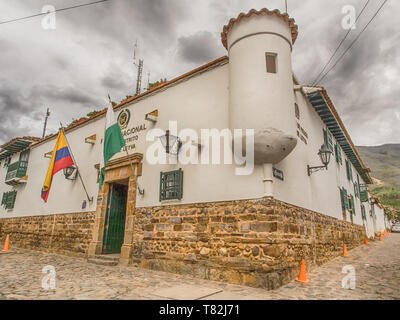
x: 112, y: 143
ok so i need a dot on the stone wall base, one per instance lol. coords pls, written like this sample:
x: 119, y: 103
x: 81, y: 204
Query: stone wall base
x: 257, y: 243
x: 68, y: 234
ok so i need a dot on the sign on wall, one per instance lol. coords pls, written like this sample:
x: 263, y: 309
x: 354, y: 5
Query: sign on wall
x: 130, y: 134
x: 278, y: 173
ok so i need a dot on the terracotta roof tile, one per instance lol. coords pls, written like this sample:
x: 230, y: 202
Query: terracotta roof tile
x: 28, y: 138
x: 284, y: 16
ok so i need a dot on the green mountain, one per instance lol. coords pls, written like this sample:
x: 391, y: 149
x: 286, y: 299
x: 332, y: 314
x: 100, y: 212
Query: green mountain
x: 384, y: 162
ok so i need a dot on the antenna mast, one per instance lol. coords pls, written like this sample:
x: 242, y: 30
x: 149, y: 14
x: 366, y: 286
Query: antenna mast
x: 45, y: 122
x: 140, y: 70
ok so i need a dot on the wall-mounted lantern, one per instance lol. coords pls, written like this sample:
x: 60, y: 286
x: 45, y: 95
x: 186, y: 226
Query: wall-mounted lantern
x: 325, y: 156
x: 172, y: 144
x: 70, y: 173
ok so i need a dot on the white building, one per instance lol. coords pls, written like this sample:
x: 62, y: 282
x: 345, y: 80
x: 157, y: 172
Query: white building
x: 252, y: 88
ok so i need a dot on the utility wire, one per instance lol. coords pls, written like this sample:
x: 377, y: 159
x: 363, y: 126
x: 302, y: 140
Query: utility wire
x: 62, y: 9
x: 355, y: 40
x: 340, y: 44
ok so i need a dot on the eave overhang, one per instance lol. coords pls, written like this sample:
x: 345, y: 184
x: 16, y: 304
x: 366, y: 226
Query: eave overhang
x: 322, y: 104
x: 16, y: 145
x: 4, y: 154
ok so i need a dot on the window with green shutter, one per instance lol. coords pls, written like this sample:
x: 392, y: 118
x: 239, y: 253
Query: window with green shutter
x: 349, y: 170
x: 338, y: 154
x: 171, y: 185
x: 356, y: 194
x: 328, y: 139
x: 363, y: 214
x: 8, y: 199
x: 7, y: 162
x: 351, y: 204
x: 3, y: 198
x: 363, y: 193
x: 343, y: 197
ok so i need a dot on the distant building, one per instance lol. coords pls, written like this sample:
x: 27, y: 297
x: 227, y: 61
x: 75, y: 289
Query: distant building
x: 205, y: 219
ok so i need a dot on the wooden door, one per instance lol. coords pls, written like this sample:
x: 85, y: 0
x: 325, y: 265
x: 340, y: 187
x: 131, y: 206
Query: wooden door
x: 114, y: 225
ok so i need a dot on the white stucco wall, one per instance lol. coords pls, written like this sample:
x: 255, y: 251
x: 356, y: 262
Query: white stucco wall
x: 65, y: 196
x: 370, y: 222
x: 320, y: 191
x: 236, y: 95
x: 380, y: 219
x: 198, y: 102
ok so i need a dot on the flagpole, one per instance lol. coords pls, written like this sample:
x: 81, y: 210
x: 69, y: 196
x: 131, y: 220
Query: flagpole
x: 76, y: 165
x: 126, y: 149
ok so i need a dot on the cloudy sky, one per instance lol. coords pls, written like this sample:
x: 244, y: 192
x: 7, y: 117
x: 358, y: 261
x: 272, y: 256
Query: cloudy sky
x: 90, y: 53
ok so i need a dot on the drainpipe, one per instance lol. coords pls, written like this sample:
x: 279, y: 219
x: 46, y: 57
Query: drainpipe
x: 267, y: 180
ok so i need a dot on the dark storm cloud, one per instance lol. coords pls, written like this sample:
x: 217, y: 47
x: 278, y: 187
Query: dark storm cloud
x: 122, y: 22
x: 73, y: 68
x: 113, y: 81
x: 14, y: 105
x: 67, y: 94
x: 198, y: 48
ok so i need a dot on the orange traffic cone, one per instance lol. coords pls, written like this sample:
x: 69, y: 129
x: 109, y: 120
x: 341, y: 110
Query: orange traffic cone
x: 345, y: 251
x: 302, y: 274
x: 380, y: 237
x: 365, y: 240
x: 6, y: 244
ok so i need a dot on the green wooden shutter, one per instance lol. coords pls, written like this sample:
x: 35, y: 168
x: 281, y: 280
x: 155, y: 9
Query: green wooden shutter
x: 8, y: 199
x: 162, y: 188
x: 356, y: 190
x: 330, y: 143
x: 364, y: 216
x: 351, y: 205
x: 349, y: 171
x: 338, y: 154
x: 7, y: 162
x: 179, y: 183
x: 171, y: 185
x: 363, y: 192
x: 3, y: 198
x: 343, y: 196
x: 328, y: 139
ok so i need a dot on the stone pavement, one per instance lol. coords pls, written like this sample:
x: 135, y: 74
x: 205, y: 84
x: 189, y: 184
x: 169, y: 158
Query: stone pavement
x: 377, y: 267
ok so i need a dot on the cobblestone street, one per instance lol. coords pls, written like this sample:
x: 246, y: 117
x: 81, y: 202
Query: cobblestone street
x: 377, y: 267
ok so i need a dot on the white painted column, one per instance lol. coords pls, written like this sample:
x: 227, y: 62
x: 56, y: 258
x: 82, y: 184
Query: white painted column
x: 267, y: 180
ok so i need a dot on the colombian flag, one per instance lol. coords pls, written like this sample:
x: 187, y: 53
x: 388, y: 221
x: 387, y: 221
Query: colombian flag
x: 60, y: 159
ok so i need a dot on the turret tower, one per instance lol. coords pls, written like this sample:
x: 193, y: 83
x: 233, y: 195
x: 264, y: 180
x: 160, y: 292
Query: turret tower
x: 261, y: 95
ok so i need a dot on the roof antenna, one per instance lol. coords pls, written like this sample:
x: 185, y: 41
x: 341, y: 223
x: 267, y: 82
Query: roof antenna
x: 286, y: 5
x: 140, y: 70
x: 45, y: 122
